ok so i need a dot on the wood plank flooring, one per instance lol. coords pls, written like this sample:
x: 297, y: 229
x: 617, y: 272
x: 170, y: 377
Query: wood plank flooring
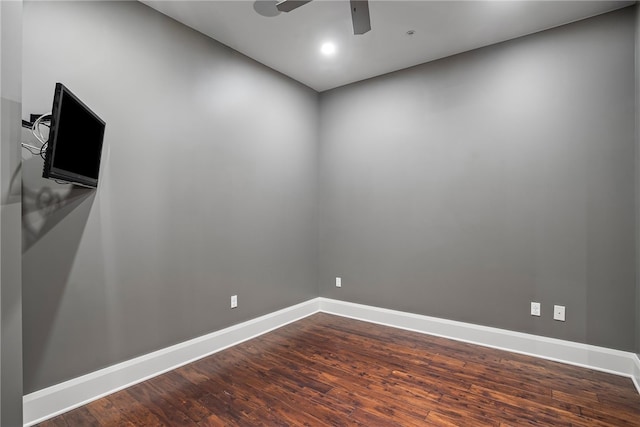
x: 330, y: 371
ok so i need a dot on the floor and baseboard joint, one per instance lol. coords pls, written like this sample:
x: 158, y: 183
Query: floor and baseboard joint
x: 60, y: 398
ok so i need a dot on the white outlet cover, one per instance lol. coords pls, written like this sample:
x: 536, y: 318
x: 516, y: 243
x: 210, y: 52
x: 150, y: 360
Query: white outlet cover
x: 234, y: 301
x: 558, y: 313
x: 535, y: 308
x: 338, y: 282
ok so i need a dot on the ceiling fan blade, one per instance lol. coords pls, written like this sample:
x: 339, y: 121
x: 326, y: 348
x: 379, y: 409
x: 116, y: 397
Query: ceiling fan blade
x: 289, y: 5
x: 360, y: 16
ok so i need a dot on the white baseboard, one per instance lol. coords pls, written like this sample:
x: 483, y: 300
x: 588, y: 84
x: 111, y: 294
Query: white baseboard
x: 60, y: 398
x: 636, y: 372
x: 599, y: 358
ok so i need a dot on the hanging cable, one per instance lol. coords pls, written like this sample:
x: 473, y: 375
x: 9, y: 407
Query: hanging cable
x: 37, y: 133
x: 35, y: 129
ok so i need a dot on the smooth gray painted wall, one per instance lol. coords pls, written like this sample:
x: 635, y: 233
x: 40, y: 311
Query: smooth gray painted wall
x: 637, y: 70
x: 10, y: 247
x: 468, y: 187
x: 207, y: 189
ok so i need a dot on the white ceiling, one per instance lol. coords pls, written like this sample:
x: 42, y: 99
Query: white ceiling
x: 290, y: 42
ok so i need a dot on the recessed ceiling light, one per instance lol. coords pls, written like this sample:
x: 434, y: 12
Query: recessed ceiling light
x: 328, y: 48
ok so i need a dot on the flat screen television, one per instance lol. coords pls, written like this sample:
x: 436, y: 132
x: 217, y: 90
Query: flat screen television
x: 75, y: 140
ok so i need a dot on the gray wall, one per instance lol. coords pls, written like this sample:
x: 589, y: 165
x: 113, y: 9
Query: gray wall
x: 637, y: 70
x: 205, y: 191
x: 10, y: 248
x: 468, y: 187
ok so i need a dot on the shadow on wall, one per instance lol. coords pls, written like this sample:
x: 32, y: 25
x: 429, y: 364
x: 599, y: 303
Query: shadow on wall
x: 44, y: 207
x: 54, y: 217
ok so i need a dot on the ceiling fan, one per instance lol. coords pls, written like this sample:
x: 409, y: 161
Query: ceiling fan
x: 359, y: 12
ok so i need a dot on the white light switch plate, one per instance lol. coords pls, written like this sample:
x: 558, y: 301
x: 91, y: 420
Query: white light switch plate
x: 234, y: 301
x: 338, y: 282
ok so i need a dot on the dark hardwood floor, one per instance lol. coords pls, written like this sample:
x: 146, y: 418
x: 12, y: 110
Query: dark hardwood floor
x: 329, y: 371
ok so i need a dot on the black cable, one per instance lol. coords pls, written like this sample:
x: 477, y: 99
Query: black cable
x: 42, y: 151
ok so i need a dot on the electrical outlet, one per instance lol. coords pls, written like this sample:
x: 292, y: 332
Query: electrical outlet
x: 234, y: 301
x: 338, y: 282
x: 558, y: 312
x: 535, y: 309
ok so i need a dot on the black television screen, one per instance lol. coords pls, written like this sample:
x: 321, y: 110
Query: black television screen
x: 75, y: 141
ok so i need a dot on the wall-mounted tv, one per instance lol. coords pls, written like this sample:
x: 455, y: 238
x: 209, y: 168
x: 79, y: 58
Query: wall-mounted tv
x: 75, y: 140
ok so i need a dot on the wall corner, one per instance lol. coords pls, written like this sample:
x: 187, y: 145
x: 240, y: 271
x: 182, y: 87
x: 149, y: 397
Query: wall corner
x: 10, y: 214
